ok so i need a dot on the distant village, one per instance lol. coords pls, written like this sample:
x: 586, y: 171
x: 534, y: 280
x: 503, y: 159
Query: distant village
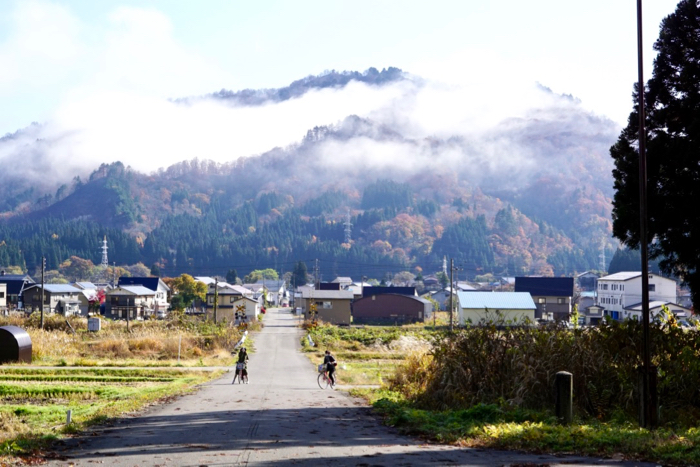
x: 586, y: 299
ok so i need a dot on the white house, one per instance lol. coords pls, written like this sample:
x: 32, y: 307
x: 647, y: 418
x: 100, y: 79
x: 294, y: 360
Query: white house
x: 484, y: 307
x: 621, y: 290
x: 655, y: 310
x: 3, y: 297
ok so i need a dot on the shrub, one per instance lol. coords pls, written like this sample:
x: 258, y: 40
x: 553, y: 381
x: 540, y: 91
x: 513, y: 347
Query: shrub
x: 516, y: 367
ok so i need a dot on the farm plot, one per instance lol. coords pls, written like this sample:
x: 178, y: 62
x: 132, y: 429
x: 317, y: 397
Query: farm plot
x: 34, y: 403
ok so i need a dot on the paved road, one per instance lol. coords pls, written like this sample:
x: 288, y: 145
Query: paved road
x: 280, y: 418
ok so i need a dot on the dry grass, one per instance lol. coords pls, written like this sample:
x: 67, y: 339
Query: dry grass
x: 187, y: 342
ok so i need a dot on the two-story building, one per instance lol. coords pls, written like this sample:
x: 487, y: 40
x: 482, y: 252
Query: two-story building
x: 622, y: 290
x: 552, y: 295
x: 332, y: 306
x: 58, y: 298
x: 161, y: 297
x: 135, y: 300
x: 16, y: 285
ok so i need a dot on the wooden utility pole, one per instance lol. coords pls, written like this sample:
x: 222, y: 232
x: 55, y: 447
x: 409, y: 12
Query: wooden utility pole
x: 216, y: 296
x: 452, y: 292
x: 43, y: 266
x: 127, y: 316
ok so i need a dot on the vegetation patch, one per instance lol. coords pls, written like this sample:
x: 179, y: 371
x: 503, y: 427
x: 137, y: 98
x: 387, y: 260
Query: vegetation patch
x: 493, y: 387
x: 35, y: 402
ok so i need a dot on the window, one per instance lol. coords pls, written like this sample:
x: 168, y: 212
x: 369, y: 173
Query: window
x: 328, y: 305
x: 2, y: 294
x: 541, y: 300
x: 561, y: 301
x: 652, y: 287
x: 605, y: 286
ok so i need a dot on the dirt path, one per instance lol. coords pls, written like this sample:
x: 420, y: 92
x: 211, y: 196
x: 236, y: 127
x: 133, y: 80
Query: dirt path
x: 280, y: 418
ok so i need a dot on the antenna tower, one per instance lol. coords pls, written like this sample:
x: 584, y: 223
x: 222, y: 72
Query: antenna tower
x: 105, y: 261
x: 348, y: 228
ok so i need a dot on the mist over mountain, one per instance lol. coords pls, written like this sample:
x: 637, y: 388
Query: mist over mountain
x: 529, y: 166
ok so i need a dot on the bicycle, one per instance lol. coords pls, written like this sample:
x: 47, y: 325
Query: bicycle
x: 240, y: 367
x: 324, y: 381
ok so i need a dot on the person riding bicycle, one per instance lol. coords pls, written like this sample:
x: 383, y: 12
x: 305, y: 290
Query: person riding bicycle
x: 330, y: 363
x: 243, y: 358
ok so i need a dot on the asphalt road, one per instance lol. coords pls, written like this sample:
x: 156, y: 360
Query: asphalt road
x: 280, y: 418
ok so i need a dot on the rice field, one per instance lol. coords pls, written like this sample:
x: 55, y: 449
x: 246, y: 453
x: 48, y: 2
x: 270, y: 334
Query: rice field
x: 34, y: 403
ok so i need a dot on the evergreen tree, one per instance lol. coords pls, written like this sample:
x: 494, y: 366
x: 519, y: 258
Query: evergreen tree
x: 299, y: 274
x: 231, y: 276
x: 672, y: 106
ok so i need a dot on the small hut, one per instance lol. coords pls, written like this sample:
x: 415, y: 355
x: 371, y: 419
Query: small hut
x: 15, y: 345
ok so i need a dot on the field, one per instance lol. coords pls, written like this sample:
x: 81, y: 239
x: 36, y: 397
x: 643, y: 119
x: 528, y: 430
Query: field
x: 35, y: 401
x: 100, y: 375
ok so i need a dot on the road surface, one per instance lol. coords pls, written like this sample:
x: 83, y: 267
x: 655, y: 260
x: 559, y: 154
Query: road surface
x: 281, y: 418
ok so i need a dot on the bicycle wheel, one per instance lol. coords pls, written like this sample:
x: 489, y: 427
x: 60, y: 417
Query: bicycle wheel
x: 323, y: 381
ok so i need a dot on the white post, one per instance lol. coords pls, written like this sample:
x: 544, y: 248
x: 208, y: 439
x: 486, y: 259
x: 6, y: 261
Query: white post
x: 69, y: 417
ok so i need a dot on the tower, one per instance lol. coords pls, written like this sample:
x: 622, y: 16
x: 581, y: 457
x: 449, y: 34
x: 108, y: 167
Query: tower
x: 105, y: 261
x: 348, y: 228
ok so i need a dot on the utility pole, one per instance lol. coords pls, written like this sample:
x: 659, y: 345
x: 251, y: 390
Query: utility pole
x: 114, y: 274
x: 452, y: 292
x: 128, y: 312
x: 216, y: 296
x: 316, y: 274
x: 648, y: 414
x: 43, y: 266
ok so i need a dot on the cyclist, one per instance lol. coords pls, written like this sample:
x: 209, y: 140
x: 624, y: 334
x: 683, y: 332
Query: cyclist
x: 243, y: 358
x: 330, y: 363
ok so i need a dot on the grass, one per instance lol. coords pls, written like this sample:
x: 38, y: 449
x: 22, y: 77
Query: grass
x: 35, y: 401
x: 494, y: 427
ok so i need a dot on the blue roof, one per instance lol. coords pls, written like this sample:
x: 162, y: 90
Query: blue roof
x: 148, y: 282
x: 496, y: 300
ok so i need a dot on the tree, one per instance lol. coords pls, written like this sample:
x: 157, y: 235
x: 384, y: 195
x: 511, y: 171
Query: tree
x: 188, y: 289
x: 299, y: 274
x: 260, y: 274
x: 231, y: 276
x: 672, y: 105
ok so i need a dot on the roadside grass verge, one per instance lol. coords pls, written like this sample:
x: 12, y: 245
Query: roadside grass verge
x: 494, y: 427
x: 366, y: 355
x: 34, y: 402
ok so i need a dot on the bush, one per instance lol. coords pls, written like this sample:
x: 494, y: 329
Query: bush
x: 516, y: 367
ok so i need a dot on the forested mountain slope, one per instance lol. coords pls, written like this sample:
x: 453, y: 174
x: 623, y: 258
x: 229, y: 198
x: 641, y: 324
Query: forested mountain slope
x: 531, y: 195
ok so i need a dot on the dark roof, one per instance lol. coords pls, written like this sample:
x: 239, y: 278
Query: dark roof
x: 546, y: 286
x: 329, y: 286
x: 369, y: 291
x: 15, y: 282
x: 148, y: 282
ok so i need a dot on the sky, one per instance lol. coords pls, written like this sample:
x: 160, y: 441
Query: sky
x: 107, y: 69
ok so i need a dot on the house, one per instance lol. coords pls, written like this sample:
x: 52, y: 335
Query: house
x: 592, y: 315
x: 369, y: 291
x: 391, y: 309
x: 16, y: 284
x: 161, y: 289
x: 244, y: 309
x: 226, y: 295
x: 587, y: 281
x: 552, y: 295
x: 343, y: 281
x: 3, y: 298
x: 136, y: 300
x: 443, y: 297
x: 58, y: 298
x: 656, y: 310
x: 332, y: 306
x: 274, y: 292
x: 624, y: 289
x: 88, y: 292
x: 486, y: 307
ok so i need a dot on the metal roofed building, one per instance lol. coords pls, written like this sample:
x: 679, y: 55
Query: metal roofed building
x: 486, y: 307
x: 552, y: 295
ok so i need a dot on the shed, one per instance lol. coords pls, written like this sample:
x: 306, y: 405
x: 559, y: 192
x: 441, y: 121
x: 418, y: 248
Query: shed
x: 15, y: 345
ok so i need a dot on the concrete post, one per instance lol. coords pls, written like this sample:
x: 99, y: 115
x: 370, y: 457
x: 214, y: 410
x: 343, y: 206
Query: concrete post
x: 564, y: 389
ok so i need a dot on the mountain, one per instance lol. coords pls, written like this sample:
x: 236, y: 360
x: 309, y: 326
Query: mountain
x: 528, y: 194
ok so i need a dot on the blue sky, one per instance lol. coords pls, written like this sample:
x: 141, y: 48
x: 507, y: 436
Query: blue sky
x: 53, y: 51
x: 98, y: 73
